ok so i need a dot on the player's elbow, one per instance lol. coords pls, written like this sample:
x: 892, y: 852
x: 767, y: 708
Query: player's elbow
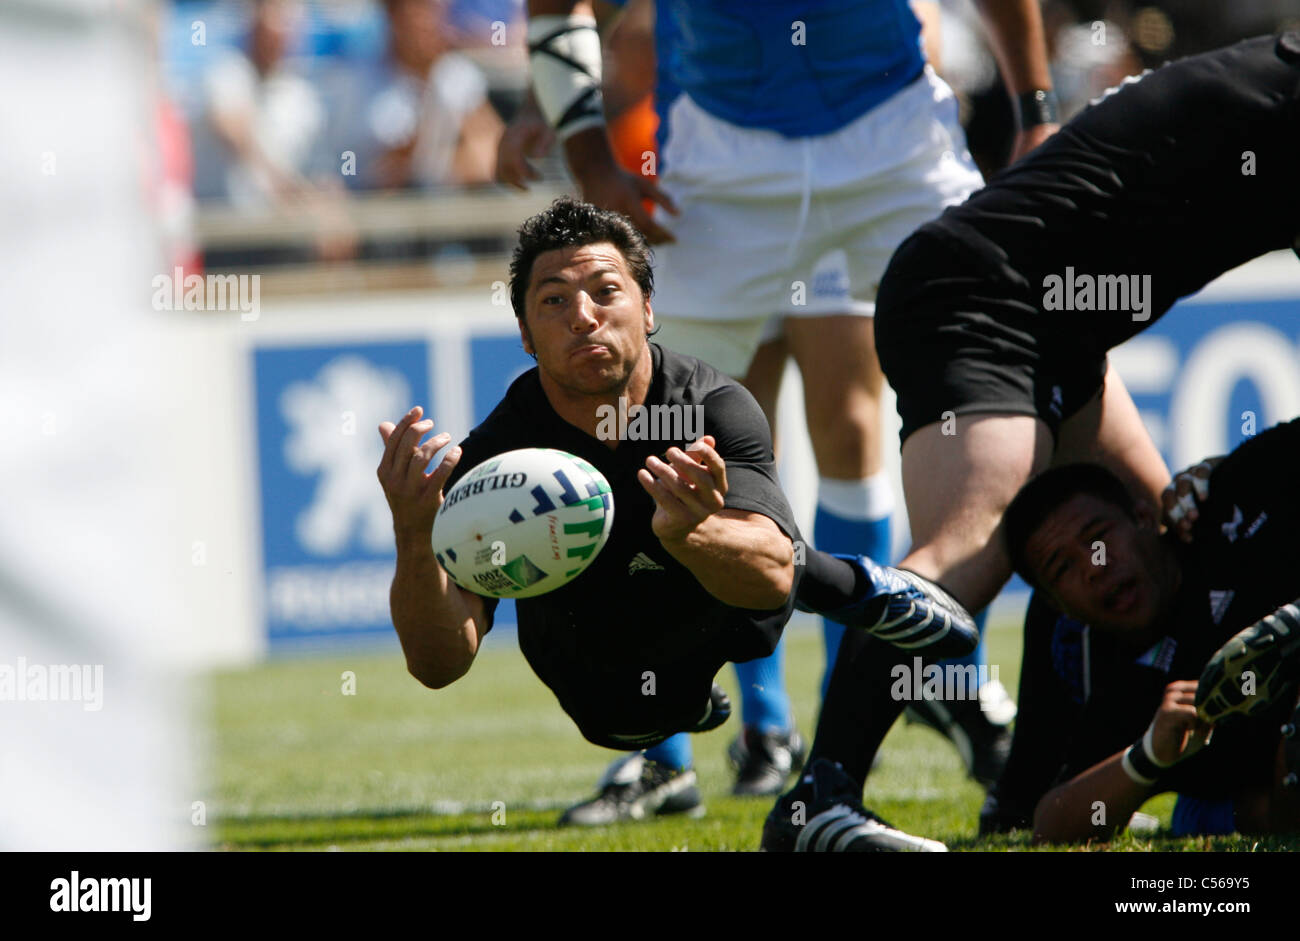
x: 435, y: 675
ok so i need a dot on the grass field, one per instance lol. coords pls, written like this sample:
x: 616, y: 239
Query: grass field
x: 488, y: 764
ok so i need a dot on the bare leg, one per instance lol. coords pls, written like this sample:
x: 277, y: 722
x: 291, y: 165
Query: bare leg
x: 763, y: 379
x: 841, y: 387
x: 1109, y: 431
x: 957, y: 487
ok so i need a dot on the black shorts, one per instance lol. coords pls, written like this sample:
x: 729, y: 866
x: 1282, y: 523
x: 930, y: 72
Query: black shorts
x: 959, y: 331
x: 629, y: 699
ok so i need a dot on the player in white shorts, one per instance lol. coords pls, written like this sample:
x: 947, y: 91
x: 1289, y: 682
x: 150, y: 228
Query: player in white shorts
x: 799, y: 143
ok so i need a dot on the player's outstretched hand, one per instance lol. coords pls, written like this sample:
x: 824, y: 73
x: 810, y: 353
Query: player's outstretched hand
x: 687, y: 489
x: 1181, y: 499
x: 414, y: 496
x: 1177, y: 732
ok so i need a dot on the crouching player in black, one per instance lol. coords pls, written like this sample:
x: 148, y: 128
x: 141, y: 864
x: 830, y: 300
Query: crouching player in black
x: 699, y: 568
x: 993, y: 324
x: 1180, y: 638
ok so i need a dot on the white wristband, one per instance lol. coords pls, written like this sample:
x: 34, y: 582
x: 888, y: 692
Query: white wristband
x: 564, y: 52
x: 1134, y: 775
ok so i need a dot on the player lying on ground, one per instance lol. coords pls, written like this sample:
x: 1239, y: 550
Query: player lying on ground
x: 709, y: 514
x: 1157, y: 610
x: 1143, y: 613
x: 998, y: 374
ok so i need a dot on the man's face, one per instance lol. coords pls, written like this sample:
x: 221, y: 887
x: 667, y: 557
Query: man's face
x: 1102, y: 567
x: 585, y: 319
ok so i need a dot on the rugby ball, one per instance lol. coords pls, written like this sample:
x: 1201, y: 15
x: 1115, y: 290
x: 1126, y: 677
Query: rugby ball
x: 523, y: 523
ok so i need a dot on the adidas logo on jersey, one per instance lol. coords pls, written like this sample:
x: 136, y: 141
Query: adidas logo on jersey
x: 1219, y: 602
x: 643, y: 563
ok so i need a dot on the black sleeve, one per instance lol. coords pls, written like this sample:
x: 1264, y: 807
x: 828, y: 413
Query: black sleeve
x: 1248, y: 524
x: 744, y: 441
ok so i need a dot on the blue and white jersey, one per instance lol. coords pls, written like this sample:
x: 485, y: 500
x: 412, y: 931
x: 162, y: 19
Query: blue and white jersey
x: 800, y: 68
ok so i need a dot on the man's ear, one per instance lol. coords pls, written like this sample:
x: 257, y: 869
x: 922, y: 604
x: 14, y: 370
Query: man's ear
x: 649, y: 318
x: 526, y: 336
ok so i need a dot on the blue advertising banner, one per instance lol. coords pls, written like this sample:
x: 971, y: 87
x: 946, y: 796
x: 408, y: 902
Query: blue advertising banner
x: 327, y: 533
x: 1211, y: 374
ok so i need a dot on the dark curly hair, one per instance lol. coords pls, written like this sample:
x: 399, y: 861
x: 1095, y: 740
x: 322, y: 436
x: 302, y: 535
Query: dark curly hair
x: 569, y: 222
x: 1051, y: 489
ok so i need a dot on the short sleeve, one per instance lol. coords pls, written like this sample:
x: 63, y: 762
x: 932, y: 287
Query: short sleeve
x: 744, y: 441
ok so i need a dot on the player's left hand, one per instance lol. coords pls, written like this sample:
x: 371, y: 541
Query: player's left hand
x: 1177, y: 732
x: 1185, y: 492
x: 687, y: 489
x: 1030, y: 138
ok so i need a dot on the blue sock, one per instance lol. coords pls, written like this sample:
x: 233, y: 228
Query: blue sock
x: 675, y: 752
x: 854, y: 517
x: 764, y: 703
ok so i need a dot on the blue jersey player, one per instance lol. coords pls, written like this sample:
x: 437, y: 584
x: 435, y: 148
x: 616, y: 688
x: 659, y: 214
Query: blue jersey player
x: 799, y: 143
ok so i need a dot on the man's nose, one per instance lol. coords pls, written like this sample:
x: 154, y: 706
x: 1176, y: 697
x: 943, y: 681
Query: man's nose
x: 584, y: 313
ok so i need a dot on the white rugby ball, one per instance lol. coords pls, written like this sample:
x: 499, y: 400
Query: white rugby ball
x: 523, y: 523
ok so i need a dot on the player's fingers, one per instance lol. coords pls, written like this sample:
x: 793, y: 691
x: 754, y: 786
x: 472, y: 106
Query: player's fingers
x: 704, y: 451
x: 407, y: 447
x: 662, y: 494
x: 393, y: 439
x: 438, y: 478
x: 424, y: 454
x: 700, y: 476
x: 650, y: 190
x: 677, y: 483
x: 654, y: 233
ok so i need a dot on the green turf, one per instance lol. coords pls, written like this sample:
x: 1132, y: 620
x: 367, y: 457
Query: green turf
x: 488, y: 763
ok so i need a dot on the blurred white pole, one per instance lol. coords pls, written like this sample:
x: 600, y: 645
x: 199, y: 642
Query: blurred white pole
x: 90, y: 480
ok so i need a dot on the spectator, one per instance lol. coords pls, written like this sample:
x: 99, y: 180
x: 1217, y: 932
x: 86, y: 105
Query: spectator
x: 421, y: 117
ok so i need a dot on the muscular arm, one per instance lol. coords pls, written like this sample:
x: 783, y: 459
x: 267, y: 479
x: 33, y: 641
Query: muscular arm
x: 1016, y: 32
x: 1066, y: 813
x: 742, y: 559
x: 439, y: 624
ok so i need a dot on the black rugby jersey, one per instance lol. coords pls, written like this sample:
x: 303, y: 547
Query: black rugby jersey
x: 636, y: 608
x: 1167, y: 182
x: 1243, y: 564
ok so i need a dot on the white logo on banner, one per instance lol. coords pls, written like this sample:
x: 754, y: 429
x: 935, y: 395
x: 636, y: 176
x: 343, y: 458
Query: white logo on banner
x: 332, y: 421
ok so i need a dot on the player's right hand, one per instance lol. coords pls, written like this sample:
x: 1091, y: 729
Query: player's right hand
x: 1177, y: 732
x: 414, y: 496
x: 1185, y: 493
x: 615, y: 188
x: 527, y: 136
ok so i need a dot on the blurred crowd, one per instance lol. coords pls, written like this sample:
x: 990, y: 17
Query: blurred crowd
x: 275, y: 103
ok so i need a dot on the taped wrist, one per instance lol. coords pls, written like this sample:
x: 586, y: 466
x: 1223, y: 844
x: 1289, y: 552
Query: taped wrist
x: 564, y: 52
x: 1140, y: 761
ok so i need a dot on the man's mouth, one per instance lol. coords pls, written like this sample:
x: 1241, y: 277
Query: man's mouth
x: 590, y: 349
x: 1122, y: 598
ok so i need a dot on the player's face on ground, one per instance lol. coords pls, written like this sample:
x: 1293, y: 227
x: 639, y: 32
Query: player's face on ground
x: 1101, y: 566
x: 585, y: 319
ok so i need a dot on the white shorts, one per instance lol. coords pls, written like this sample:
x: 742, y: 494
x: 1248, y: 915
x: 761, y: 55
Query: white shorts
x: 775, y: 227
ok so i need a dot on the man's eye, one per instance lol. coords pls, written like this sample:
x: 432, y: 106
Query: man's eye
x: 553, y: 299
